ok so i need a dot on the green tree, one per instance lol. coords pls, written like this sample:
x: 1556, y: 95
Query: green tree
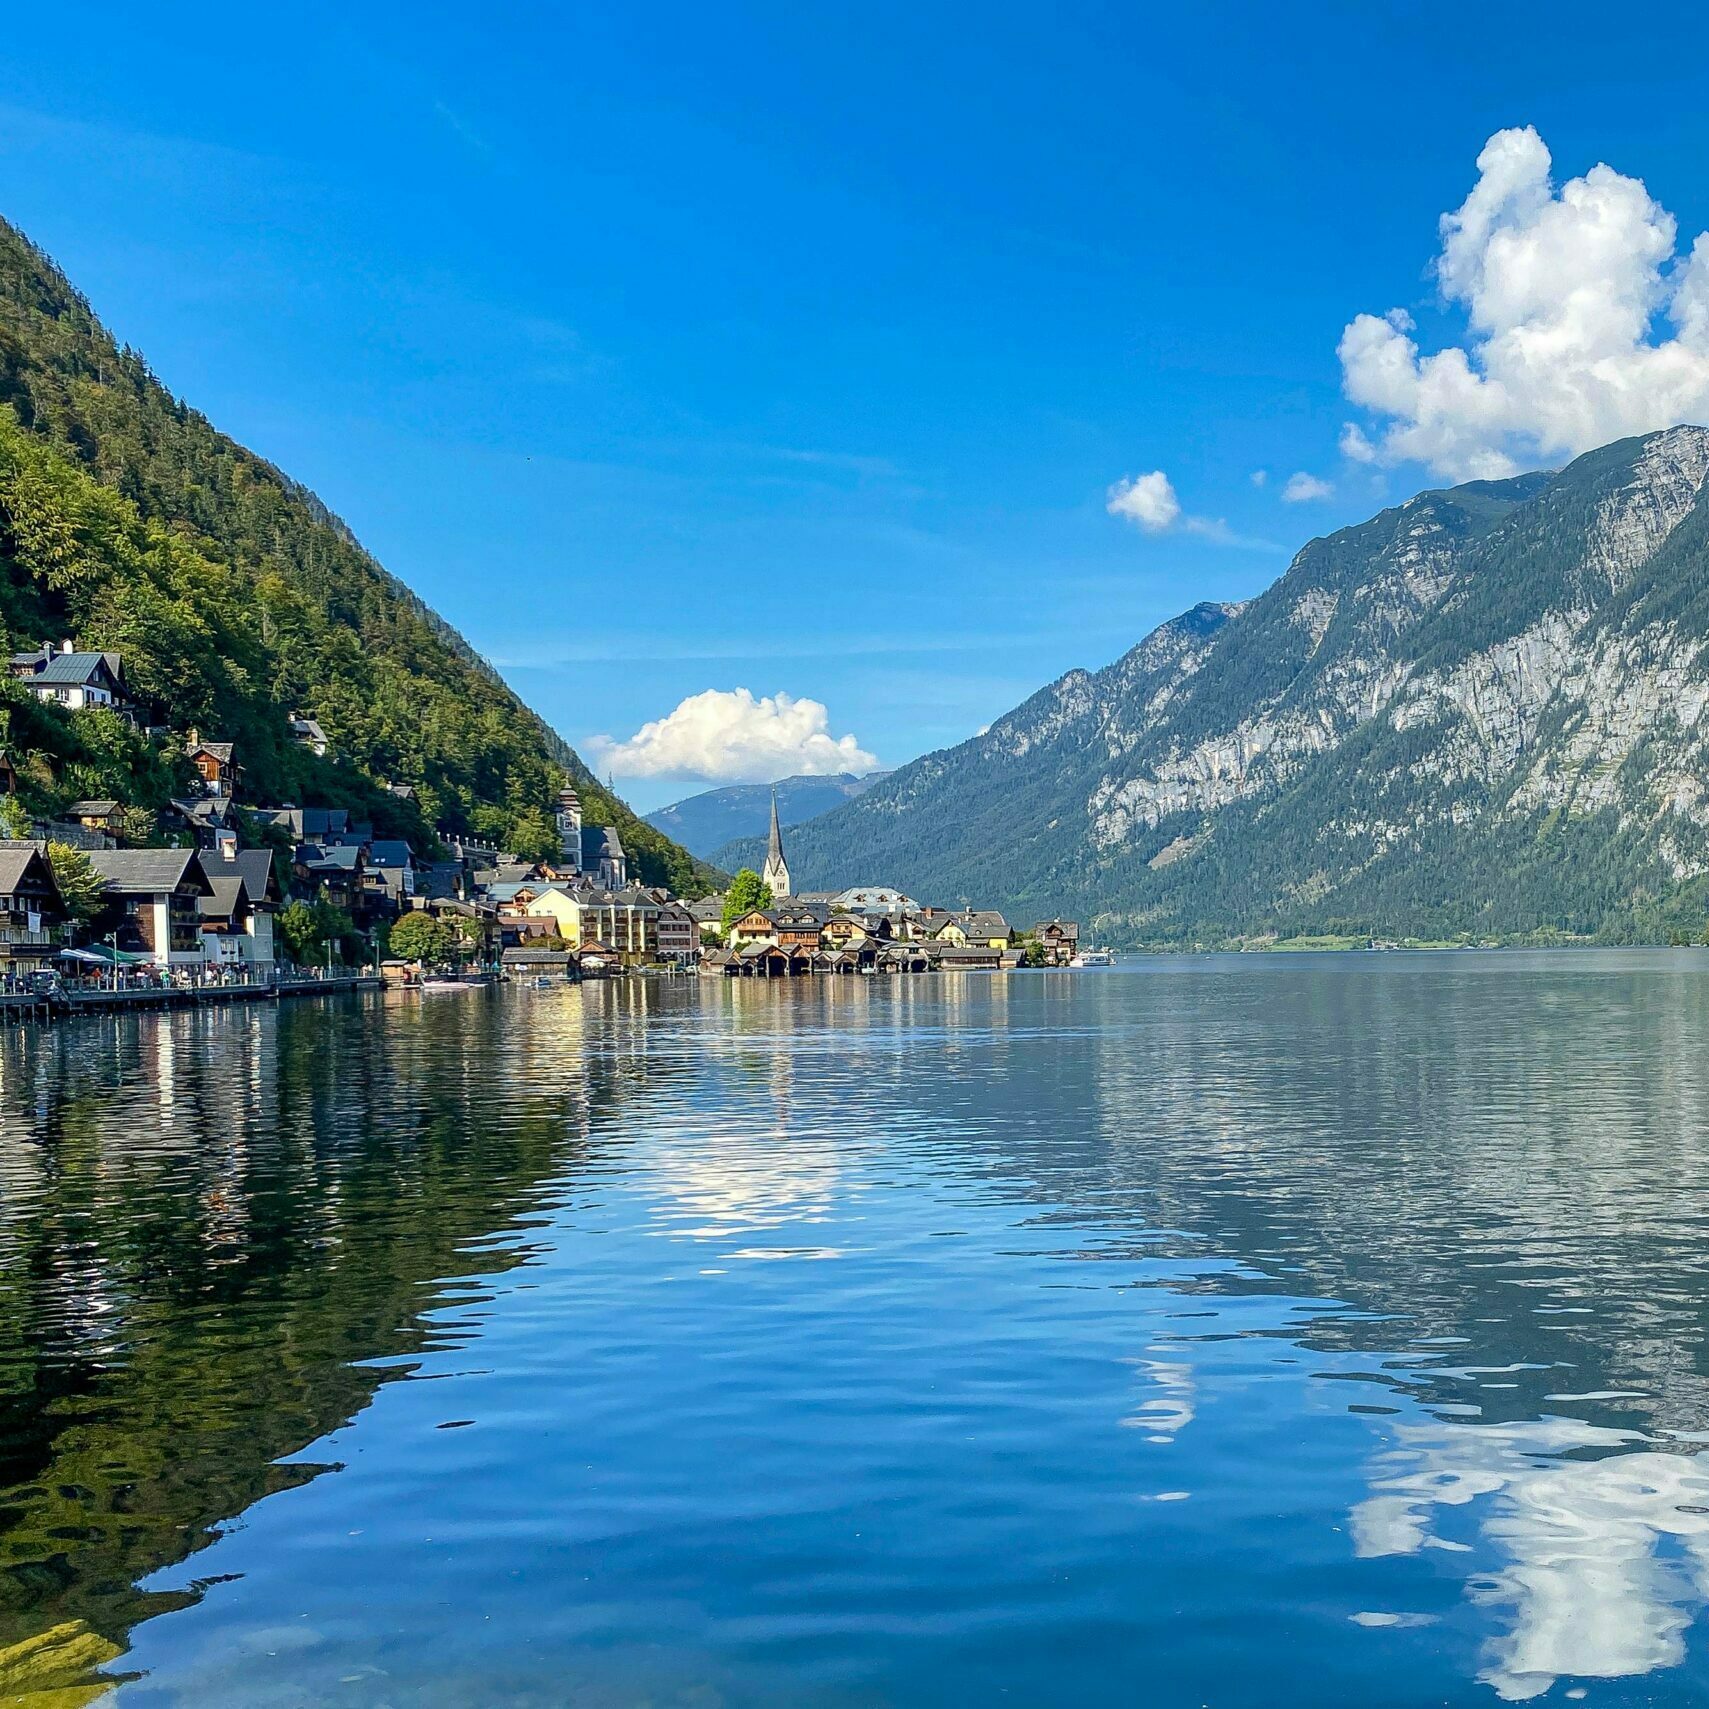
x: 80, y: 886
x: 141, y: 827
x: 532, y: 835
x: 15, y: 820
x: 419, y: 937
x: 298, y: 926
x: 747, y: 892
x: 468, y: 935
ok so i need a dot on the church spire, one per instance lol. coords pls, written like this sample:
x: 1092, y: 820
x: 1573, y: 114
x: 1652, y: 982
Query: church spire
x: 776, y: 874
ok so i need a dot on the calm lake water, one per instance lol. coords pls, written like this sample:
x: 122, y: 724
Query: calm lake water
x: 1256, y: 1331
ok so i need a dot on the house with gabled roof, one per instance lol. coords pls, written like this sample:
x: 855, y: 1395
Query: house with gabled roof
x: 237, y: 913
x: 103, y: 815
x: 979, y: 928
x: 63, y: 676
x: 32, y: 916
x: 307, y: 733
x: 215, y: 763
x: 152, y: 904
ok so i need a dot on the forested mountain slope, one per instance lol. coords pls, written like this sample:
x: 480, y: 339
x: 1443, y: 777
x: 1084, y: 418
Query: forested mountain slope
x: 1480, y: 712
x: 237, y: 598
x: 704, y: 823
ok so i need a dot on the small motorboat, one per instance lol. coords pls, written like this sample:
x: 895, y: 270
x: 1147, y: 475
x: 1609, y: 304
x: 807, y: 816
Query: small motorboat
x: 1092, y: 957
x: 446, y: 982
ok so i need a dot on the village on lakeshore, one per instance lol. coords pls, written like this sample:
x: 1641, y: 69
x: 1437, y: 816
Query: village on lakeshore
x: 216, y: 893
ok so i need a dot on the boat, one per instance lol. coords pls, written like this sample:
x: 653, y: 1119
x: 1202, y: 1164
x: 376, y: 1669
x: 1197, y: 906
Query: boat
x: 1093, y: 957
x: 439, y: 983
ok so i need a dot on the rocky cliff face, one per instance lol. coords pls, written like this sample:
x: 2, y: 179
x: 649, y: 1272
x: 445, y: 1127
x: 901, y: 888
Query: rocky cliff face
x: 1482, y: 711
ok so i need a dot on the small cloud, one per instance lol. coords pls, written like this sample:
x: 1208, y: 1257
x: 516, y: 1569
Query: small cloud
x: 1148, y: 500
x: 1303, y: 488
x: 1356, y: 446
x: 735, y: 737
x: 1260, y: 476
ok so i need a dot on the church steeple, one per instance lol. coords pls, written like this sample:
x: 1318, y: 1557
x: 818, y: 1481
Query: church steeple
x: 776, y: 874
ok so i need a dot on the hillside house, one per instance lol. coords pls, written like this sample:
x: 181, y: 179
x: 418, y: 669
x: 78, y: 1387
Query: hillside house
x: 62, y: 676
x: 207, y: 818
x: 307, y: 733
x: 391, y: 871
x: 107, y: 817
x: 336, y: 875
x: 215, y: 763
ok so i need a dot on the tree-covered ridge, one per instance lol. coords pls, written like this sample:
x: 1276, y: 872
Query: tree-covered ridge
x: 1482, y: 713
x: 238, y: 598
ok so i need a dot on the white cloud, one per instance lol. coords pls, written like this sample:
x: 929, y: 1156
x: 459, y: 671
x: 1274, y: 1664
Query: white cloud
x: 1150, y: 502
x: 1303, y: 488
x: 735, y: 737
x: 1567, y: 295
x: 1260, y: 476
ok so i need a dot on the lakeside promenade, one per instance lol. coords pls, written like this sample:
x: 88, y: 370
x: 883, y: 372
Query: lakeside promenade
x: 19, y: 1002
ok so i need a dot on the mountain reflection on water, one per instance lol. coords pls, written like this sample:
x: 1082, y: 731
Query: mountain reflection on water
x: 1261, y: 1330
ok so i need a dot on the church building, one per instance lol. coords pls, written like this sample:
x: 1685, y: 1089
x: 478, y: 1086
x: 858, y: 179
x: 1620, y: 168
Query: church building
x: 594, y: 852
x: 776, y: 874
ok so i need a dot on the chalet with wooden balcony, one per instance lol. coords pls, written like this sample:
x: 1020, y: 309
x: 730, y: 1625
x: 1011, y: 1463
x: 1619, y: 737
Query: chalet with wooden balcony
x: 32, y: 917
x: 153, y: 903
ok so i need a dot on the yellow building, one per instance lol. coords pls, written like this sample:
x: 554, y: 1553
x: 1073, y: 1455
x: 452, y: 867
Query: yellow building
x: 977, y: 928
x: 625, y: 921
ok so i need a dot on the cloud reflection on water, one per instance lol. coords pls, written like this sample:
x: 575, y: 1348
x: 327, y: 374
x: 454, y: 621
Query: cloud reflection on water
x: 1605, y: 1560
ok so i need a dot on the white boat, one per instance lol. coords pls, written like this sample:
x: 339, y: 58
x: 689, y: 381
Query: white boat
x: 1091, y: 957
x: 442, y: 984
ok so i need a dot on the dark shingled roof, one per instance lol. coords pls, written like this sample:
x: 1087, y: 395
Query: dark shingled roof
x: 225, y: 900
x: 14, y: 864
x: 131, y: 872
x: 252, y: 867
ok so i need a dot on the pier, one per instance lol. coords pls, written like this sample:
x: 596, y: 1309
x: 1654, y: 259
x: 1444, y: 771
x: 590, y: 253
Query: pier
x: 18, y: 1003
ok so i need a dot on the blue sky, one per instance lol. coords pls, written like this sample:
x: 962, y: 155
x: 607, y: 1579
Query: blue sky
x: 796, y: 349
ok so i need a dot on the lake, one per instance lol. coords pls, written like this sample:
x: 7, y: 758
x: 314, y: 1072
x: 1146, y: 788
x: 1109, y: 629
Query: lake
x: 1267, y: 1330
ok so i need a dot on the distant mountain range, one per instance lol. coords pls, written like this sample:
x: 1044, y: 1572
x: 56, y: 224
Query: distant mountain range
x: 1481, y: 712
x: 704, y: 823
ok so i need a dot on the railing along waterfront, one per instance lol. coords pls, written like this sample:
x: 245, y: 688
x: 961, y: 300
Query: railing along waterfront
x: 41, y: 996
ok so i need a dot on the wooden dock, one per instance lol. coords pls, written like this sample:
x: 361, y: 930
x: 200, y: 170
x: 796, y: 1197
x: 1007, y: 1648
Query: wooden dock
x: 95, y: 1000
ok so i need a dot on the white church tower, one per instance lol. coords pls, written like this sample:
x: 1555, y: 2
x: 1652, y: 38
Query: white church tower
x: 570, y: 828
x: 776, y: 874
